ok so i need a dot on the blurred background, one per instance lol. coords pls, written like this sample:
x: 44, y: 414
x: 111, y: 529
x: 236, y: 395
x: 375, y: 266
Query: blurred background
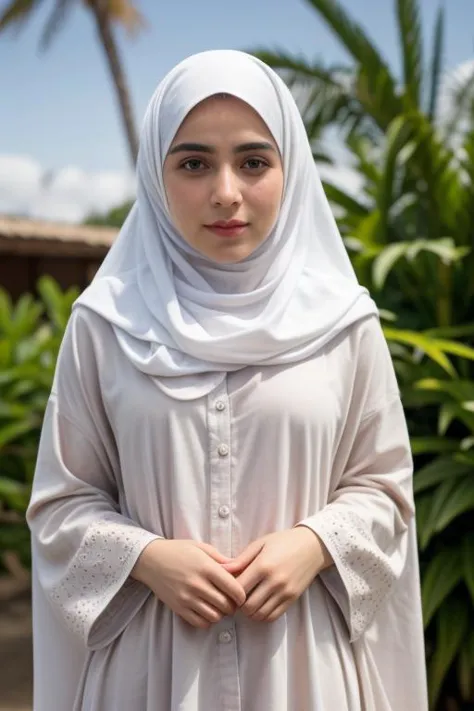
x: 386, y: 89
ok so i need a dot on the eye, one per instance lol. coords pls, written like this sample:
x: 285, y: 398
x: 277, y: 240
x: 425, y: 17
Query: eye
x: 192, y: 165
x: 255, y: 164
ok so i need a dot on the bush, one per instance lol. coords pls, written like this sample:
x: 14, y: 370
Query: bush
x: 30, y: 335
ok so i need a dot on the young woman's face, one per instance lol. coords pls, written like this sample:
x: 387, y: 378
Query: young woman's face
x: 223, y: 178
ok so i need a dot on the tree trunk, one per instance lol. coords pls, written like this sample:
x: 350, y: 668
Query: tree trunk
x: 99, y: 8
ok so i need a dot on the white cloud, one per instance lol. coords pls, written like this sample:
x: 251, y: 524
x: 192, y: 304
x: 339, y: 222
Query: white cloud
x: 69, y: 194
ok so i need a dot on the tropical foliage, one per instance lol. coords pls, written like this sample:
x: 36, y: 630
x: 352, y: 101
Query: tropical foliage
x: 410, y: 231
x: 30, y: 335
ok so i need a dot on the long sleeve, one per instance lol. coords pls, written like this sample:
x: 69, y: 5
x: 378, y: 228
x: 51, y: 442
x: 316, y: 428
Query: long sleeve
x: 84, y: 547
x: 366, y: 520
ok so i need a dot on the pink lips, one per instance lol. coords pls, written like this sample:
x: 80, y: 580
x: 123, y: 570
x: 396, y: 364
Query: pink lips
x: 230, y: 228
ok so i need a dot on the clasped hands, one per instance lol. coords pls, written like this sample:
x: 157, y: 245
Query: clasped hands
x: 202, y: 586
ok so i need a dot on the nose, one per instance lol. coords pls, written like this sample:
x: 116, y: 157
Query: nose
x: 226, y: 188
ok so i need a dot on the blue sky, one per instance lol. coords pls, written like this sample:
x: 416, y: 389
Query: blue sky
x: 58, y: 110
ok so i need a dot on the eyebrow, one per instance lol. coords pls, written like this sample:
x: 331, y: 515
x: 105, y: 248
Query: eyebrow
x: 202, y: 148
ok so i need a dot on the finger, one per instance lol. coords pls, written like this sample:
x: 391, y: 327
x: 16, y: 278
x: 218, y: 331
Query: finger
x: 206, y: 611
x: 227, y: 584
x: 252, y: 576
x: 213, y: 553
x: 193, y: 619
x: 278, y: 611
x: 260, y: 597
x: 247, y: 556
x: 217, y: 599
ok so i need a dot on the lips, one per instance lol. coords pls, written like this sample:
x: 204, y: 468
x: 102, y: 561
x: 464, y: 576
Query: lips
x: 228, y: 225
x: 232, y: 228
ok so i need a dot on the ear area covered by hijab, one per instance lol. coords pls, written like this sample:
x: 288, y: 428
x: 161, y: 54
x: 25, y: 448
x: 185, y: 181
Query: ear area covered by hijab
x: 281, y: 304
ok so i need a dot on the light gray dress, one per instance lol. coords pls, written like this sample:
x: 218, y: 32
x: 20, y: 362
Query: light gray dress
x: 322, y: 442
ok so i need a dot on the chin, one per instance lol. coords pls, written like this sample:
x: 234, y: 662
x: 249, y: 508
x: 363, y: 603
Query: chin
x: 232, y: 256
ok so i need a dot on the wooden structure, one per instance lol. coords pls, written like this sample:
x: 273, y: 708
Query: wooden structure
x: 71, y: 254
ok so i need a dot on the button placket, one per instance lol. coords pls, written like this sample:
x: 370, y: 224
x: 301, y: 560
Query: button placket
x: 220, y: 448
x: 220, y: 488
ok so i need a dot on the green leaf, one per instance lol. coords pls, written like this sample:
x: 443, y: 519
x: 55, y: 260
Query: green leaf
x: 368, y: 229
x: 5, y: 352
x: 464, y: 330
x: 438, y: 471
x: 26, y: 317
x: 442, y: 575
x: 6, y: 310
x: 436, y: 63
x: 458, y: 389
x: 452, y: 626
x: 446, y: 415
x: 440, y: 495
x: 58, y: 303
x: 339, y: 197
x: 13, y: 410
x: 423, y: 511
x: 398, y: 135
x: 452, y: 411
x: 376, y: 89
x: 429, y: 346
x: 14, y: 494
x: 429, y: 445
x: 468, y: 554
x: 467, y: 443
x: 458, y: 349
x: 13, y: 431
x: 456, y: 502
x: 386, y: 260
x: 412, y: 46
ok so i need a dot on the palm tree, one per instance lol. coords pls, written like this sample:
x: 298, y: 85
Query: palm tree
x: 366, y: 96
x: 106, y: 14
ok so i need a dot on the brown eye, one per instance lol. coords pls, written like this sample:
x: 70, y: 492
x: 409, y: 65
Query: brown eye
x: 255, y: 164
x: 192, y: 165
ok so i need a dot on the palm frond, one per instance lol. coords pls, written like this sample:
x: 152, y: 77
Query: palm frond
x: 376, y: 72
x: 124, y: 12
x: 55, y: 21
x: 411, y: 41
x: 457, y: 96
x: 298, y: 69
x: 324, y: 95
x: 17, y: 12
x: 436, y: 64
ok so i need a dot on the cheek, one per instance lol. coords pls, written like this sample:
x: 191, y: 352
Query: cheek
x: 183, y: 200
x: 266, y: 197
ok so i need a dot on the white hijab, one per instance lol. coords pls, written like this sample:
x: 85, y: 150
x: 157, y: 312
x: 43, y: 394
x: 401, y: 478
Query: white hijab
x: 186, y: 320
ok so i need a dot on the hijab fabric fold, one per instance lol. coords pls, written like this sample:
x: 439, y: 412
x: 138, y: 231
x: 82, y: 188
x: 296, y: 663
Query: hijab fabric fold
x: 187, y: 321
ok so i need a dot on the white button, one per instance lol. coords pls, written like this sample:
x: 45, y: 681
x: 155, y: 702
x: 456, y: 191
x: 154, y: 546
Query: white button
x: 225, y: 637
x: 224, y: 511
x: 223, y: 450
x: 220, y: 405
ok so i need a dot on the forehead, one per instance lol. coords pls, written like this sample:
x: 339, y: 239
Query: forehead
x: 223, y: 114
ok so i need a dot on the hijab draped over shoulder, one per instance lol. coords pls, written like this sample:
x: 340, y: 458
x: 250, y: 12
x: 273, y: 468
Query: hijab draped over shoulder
x: 185, y: 320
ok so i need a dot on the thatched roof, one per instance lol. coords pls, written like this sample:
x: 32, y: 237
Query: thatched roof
x: 36, y: 237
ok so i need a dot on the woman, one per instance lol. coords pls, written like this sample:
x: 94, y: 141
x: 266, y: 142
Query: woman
x: 222, y: 512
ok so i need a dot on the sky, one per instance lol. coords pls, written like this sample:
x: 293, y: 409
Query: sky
x: 58, y: 113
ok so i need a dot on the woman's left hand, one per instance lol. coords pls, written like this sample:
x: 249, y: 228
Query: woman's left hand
x: 276, y: 569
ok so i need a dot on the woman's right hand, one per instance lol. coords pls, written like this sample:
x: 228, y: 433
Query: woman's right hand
x: 189, y: 578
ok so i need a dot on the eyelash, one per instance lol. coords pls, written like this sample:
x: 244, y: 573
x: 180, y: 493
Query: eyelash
x: 263, y: 164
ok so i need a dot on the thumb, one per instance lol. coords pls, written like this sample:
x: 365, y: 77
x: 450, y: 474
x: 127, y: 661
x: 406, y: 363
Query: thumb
x: 213, y: 552
x: 237, y: 565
